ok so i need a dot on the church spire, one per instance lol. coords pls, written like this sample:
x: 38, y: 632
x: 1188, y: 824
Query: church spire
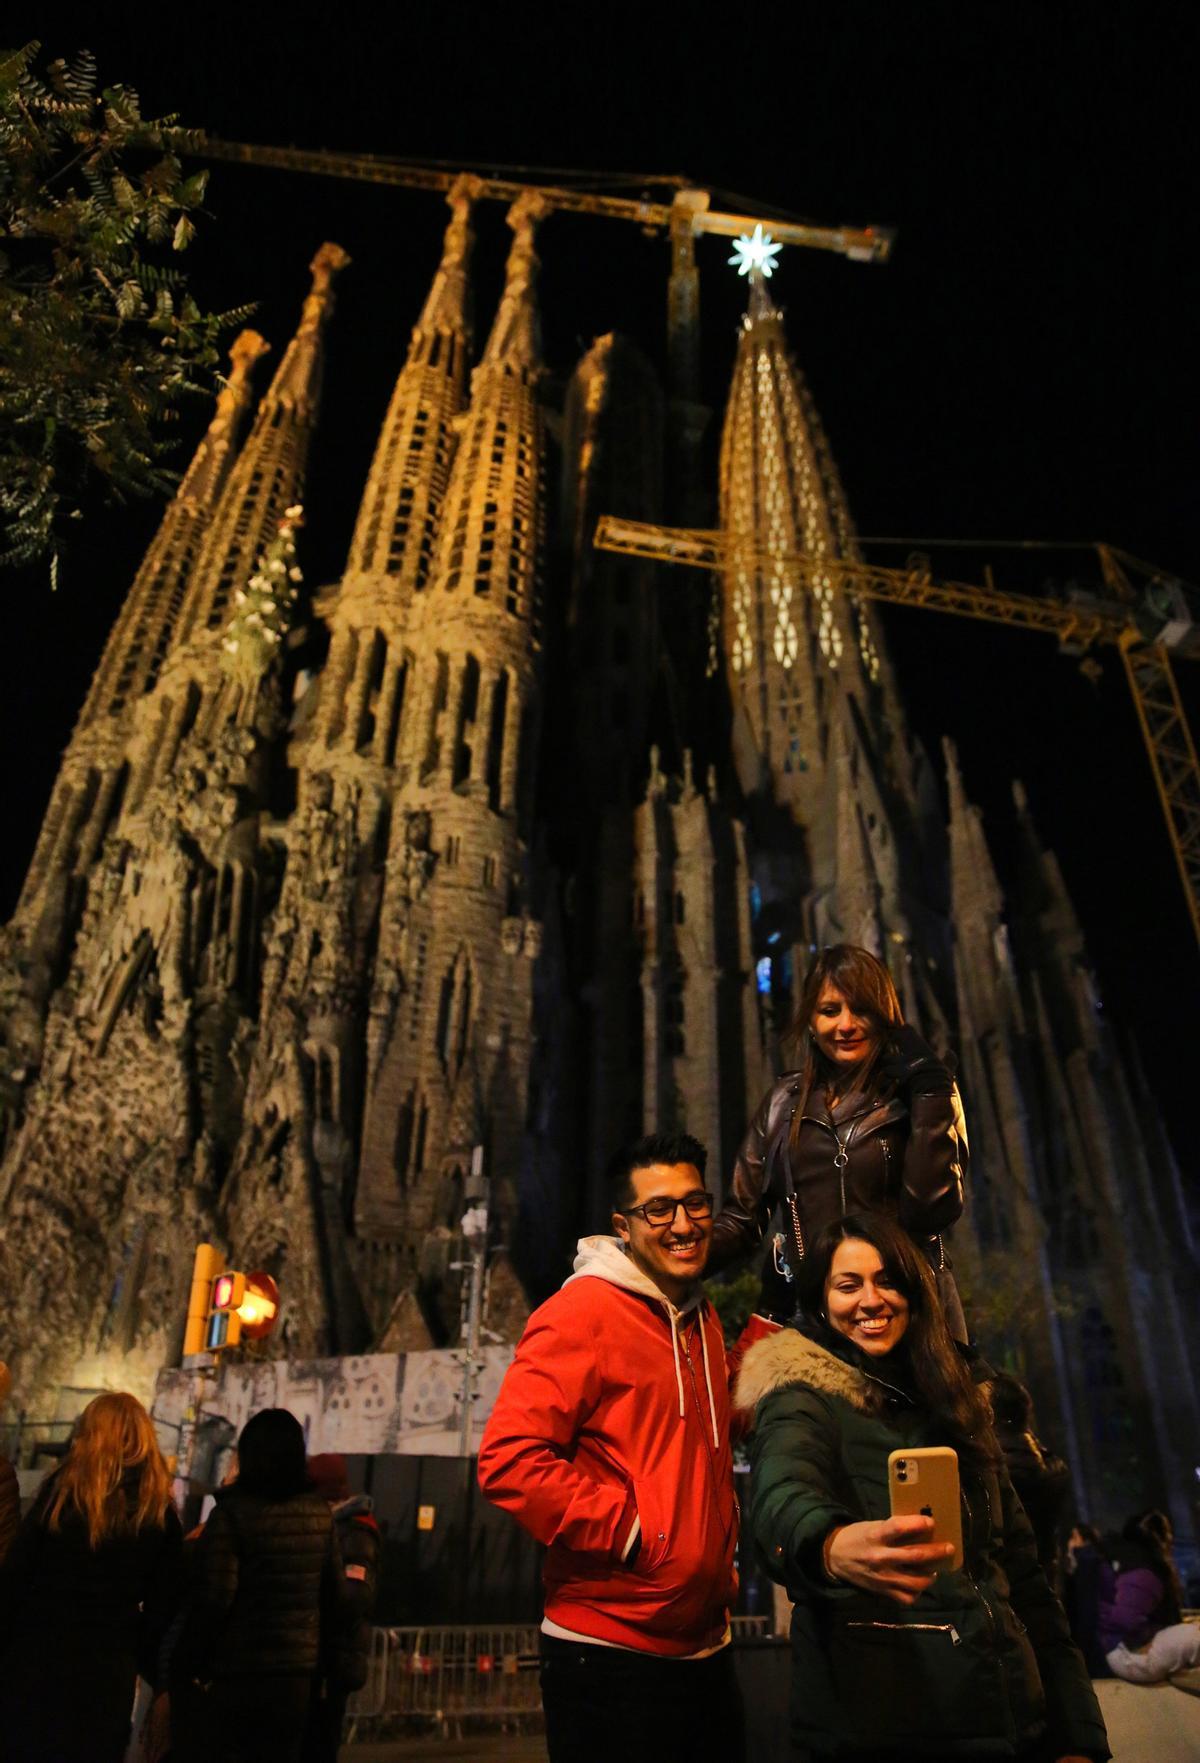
x: 269, y: 472
x: 142, y: 634
x: 454, y: 921
x: 488, y: 557
x: 446, y: 312
x: 793, y: 641
x: 515, y: 343
x: 397, y: 521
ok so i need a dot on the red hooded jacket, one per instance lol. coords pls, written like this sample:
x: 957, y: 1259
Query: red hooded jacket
x: 612, y: 1426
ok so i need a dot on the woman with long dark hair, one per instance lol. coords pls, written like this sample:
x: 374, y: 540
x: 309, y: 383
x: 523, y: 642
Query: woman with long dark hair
x: 1141, y: 1628
x: 266, y: 1600
x: 87, y: 1591
x: 869, y: 1121
x: 892, y: 1659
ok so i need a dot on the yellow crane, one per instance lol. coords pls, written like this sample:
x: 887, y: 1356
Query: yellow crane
x: 686, y: 217
x: 1142, y: 612
x: 688, y: 211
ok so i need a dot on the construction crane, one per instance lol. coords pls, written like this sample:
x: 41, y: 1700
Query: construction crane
x: 1142, y: 612
x: 683, y: 219
x: 689, y: 209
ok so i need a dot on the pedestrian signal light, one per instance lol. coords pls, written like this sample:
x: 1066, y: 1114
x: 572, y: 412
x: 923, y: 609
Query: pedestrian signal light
x: 227, y: 1291
x: 242, y: 1306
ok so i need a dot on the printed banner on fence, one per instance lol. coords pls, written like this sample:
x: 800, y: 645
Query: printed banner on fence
x: 405, y: 1403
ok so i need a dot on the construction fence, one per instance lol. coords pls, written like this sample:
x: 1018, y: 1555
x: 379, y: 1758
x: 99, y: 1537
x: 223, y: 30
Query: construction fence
x: 439, y: 1677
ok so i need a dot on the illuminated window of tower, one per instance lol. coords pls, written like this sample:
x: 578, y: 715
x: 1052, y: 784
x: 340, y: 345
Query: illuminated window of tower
x: 866, y: 643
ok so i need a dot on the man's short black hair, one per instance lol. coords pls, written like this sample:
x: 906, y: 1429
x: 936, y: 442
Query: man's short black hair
x: 644, y: 1153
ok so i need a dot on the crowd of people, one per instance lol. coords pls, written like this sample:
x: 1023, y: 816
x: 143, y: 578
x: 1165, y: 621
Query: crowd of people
x: 251, y: 1631
x: 611, y: 1441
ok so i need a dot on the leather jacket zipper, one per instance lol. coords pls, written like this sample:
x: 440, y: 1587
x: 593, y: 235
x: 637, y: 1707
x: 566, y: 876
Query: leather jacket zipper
x: 841, y: 1155
x: 927, y: 1627
x: 840, y: 1159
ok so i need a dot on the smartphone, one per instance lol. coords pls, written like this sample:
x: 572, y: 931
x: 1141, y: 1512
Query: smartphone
x: 924, y: 1480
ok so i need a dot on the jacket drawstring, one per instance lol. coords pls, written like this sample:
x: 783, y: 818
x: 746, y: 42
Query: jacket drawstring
x: 712, y: 1406
x: 673, y: 1313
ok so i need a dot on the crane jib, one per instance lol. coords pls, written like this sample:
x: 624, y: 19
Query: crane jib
x: 1149, y: 629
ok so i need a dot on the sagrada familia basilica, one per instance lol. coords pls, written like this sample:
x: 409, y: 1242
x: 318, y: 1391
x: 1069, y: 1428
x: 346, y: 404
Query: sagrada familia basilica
x: 473, y: 849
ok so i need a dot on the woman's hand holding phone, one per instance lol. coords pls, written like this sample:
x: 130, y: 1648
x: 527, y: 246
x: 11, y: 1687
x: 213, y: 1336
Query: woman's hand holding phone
x: 892, y: 1556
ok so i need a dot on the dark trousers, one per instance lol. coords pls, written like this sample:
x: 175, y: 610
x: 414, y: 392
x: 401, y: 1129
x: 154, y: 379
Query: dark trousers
x: 326, y: 1717
x: 241, y: 1720
x: 604, y: 1705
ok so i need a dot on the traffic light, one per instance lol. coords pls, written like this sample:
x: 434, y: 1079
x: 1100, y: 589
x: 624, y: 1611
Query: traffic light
x: 224, y: 1323
x: 226, y: 1307
x: 205, y: 1268
x: 244, y: 1306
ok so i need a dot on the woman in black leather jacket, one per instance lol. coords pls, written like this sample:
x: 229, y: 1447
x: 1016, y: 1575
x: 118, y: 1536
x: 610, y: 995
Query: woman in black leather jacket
x: 871, y: 1122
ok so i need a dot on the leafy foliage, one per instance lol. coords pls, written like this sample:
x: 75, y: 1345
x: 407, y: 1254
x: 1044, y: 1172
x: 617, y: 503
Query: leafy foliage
x: 734, y: 1299
x: 1002, y: 1300
x: 100, y: 339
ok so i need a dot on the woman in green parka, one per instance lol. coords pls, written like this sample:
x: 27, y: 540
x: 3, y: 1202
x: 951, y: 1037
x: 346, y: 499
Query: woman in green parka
x: 893, y: 1659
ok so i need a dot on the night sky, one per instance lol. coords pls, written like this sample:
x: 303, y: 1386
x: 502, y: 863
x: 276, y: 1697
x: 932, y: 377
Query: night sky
x: 1024, y: 368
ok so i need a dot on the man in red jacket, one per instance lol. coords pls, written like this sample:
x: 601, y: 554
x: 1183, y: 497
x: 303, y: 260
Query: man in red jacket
x: 609, y: 1442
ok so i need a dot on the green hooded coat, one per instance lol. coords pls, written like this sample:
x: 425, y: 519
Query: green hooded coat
x: 982, y: 1664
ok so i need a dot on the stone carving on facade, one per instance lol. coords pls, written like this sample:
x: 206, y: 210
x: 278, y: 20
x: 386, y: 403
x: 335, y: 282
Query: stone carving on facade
x: 405, y: 894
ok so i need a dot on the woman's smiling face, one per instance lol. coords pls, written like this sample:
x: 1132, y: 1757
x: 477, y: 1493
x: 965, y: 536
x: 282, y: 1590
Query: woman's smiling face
x: 862, y: 1301
x: 846, y: 1038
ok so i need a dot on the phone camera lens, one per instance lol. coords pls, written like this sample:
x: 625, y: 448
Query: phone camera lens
x: 901, y: 1472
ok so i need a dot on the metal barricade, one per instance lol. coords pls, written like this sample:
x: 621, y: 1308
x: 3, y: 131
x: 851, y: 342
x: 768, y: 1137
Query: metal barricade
x: 438, y: 1675
x: 751, y: 1628
x: 443, y: 1674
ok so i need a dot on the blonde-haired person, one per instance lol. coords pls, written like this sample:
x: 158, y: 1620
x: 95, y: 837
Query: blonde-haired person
x: 87, y: 1591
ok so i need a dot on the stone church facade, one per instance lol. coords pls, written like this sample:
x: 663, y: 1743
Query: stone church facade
x: 505, y: 869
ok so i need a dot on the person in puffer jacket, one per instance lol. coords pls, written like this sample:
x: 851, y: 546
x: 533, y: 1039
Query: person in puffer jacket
x: 896, y: 1656
x: 344, y: 1662
x: 609, y: 1442
x: 267, y: 1599
x: 1141, y: 1628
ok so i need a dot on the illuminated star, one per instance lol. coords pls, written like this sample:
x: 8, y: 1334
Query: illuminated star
x: 756, y: 253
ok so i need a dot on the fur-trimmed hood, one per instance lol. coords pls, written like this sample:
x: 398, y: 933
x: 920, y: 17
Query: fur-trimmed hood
x: 789, y: 1357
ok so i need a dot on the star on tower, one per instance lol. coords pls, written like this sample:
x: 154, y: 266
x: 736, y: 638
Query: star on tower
x: 755, y: 253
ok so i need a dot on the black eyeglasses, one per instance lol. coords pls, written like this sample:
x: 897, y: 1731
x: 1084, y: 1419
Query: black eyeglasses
x: 661, y: 1210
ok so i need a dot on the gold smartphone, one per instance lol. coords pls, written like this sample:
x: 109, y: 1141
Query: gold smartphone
x: 924, y: 1480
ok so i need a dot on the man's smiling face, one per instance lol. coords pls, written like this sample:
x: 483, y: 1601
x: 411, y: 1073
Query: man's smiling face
x: 672, y: 1252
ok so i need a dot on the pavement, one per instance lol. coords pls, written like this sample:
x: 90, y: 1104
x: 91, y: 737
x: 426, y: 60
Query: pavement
x: 1150, y: 1723
x: 478, y: 1748
x: 1146, y: 1724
